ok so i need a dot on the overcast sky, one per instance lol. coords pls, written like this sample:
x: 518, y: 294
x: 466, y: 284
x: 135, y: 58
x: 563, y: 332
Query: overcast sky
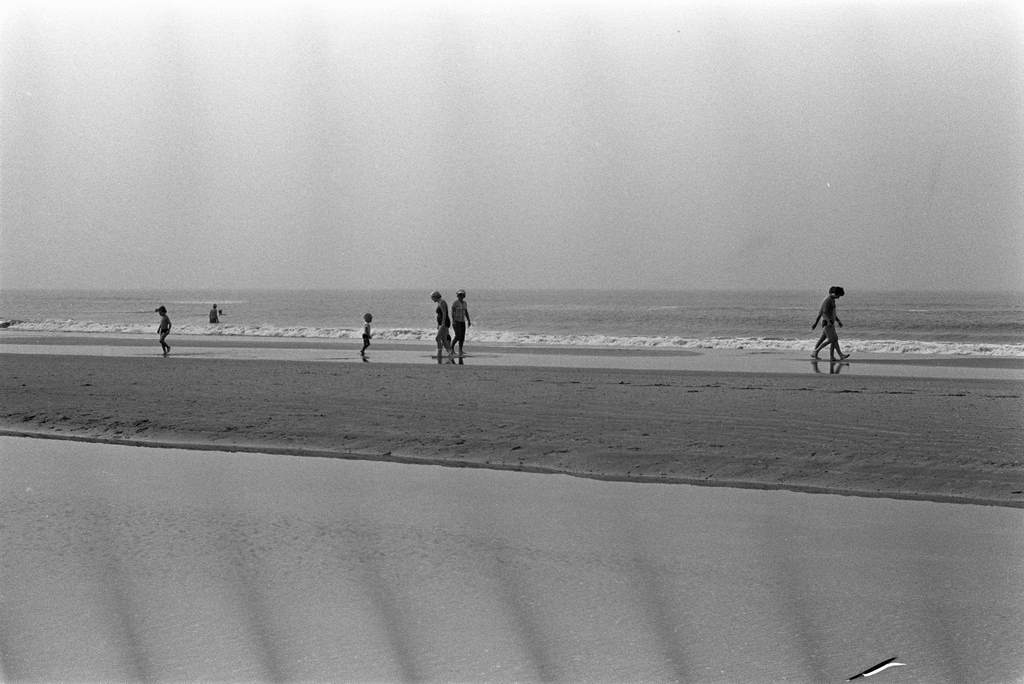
x: 550, y: 144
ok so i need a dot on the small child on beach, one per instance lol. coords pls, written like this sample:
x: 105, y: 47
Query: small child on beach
x: 367, y: 319
x: 829, y: 320
x: 164, y: 329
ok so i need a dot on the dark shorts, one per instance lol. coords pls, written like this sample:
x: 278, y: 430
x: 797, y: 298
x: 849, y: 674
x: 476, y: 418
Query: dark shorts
x: 460, y: 330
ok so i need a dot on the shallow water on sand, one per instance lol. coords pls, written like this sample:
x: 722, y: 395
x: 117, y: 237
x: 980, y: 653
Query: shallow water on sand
x: 133, y: 563
x: 747, y: 361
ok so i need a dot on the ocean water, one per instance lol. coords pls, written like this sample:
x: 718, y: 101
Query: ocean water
x: 972, y: 324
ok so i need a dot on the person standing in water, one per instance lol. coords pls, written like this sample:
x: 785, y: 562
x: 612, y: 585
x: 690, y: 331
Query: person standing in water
x: 829, y: 320
x: 215, y: 314
x: 460, y: 319
x: 164, y: 329
x: 444, y: 322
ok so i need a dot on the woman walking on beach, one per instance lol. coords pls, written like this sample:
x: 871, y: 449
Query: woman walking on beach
x: 444, y: 323
x: 829, y: 320
x: 164, y: 329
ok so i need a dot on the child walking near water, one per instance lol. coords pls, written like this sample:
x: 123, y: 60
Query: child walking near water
x: 367, y: 319
x: 164, y: 329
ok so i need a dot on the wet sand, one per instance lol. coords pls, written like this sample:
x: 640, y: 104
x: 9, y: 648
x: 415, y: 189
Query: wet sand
x: 956, y: 439
x: 534, y: 356
x: 223, y: 563
x: 133, y: 564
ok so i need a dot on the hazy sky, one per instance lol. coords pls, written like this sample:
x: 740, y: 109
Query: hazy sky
x: 488, y: 144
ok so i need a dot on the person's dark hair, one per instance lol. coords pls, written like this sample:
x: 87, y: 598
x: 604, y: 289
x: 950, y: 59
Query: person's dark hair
x: 836, y: 290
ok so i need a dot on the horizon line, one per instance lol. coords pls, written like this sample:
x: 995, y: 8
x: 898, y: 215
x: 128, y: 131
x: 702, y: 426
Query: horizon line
x: 1012, y: 291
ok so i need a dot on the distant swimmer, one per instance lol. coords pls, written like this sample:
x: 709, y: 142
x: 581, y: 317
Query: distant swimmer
x: 367, y: 319
x: 444, y: 323
x: 164, y: 329
x: 460, y: 319
x: 829, y: 320
x: 215, y: 314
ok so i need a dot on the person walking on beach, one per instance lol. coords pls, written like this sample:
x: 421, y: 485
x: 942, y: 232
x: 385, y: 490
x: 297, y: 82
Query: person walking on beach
x: 367, y: 319
x: 164, y: 329
x: 829, y: 320
x: 460, y: 319
x: 444, y: 322
x: 215, y: 314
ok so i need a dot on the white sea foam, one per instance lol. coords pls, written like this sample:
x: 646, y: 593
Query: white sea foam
x: 511, y: 338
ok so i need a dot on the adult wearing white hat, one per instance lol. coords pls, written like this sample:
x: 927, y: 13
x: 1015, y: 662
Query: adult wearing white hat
x: 460, y: 319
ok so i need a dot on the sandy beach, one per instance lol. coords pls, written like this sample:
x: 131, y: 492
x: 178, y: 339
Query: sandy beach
x: 236, y: 558
x: 134, y: 564
x: 235, y: 237
x: 941, y: 439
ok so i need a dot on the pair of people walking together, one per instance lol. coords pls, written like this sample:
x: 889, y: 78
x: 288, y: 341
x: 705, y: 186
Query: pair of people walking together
x: 456, y: 319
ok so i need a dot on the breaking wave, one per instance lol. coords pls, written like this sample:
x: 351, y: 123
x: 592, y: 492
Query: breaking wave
x: 511, y: 338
